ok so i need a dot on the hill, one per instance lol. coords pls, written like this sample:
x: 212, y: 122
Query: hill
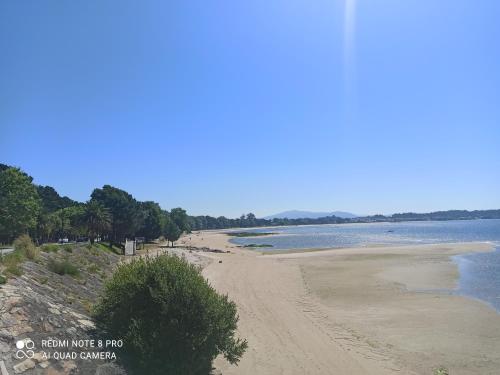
x: 298, y: 214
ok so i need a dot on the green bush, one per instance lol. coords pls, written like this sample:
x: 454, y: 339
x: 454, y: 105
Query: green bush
x: 13, y: 270
x: 25, y: 246
x: 68, y: 248
x: 11, y: 263
x: 441, y: 371
x: 50, y: 248
x: 63, y: 267
x: 3, y: 279
x: 170, y: 319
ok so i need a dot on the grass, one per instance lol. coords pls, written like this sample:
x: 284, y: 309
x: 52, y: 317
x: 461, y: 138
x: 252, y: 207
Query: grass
x: 441, y: 371
x: 64, y: 267
x: 12, y: 262
x: 94, y: 268
x: 50, y: 248
x: 25, y: 246
x: 68, y: 248
x: 107, y: 247
x: 249, y: 234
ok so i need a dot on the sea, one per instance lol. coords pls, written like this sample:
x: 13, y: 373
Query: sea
x: 479, y: 272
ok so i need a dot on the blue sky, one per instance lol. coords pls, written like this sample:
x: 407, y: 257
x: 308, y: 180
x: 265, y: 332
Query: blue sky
x: 226, y: 107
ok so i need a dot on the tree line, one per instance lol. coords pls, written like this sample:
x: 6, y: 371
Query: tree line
x: 111, y: 214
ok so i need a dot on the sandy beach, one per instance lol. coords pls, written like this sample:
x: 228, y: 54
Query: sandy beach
x: 370, y: 310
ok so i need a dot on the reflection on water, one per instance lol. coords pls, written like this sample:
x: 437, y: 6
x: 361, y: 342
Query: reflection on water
x: 480, y: 276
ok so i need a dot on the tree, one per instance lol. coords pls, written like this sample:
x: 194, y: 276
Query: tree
x: 19, y: 203
x: 124, y: 209
x: 171, y: 320
x: 181, y: 219
x: 96, y: 218
x: 171, y: 232
x: 152, y: 220
x: 45, y: 227
x: 68, y: 222
x: 52, y: 201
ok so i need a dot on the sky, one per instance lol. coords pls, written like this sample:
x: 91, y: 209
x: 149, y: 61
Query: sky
x: 230, y: 107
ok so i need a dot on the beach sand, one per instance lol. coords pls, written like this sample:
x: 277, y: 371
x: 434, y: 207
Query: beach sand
x: 370, y: 310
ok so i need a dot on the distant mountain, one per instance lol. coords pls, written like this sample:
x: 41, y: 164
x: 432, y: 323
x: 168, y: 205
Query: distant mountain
x: 297, y: 214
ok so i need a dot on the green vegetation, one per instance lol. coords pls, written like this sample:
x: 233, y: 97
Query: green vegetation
x: 11, y: 262
x: 249, y: 234
x: 25, y: 246
x: 112, y: 215
x: 3, y: 279
x: 68, y: 248
x: 97, y: 218
x: 441, y: 371
x: 50, y: 248
x: 19, y: 203
x: 93, y: 268
x: 170, y: 319
x: 108, y: 247
x: 64, y: 267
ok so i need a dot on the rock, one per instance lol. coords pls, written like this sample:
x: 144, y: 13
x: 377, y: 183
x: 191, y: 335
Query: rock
x: 4, y: 347
x: 47, y: 327
x: 69, y: 367
x: 109, y: 369
x: 54, y: 321
x: 44, y: 364
x: 20, y: 329
x: 86, y: 323
x: 6, y: 334
x: 54, y: 311
x: 23, y: 366
x: 53, y: 371
x: 38, y: 357
x: 12, y: 302
x: 3, y: 369
x: 77, y: 315
x: 19, y: 313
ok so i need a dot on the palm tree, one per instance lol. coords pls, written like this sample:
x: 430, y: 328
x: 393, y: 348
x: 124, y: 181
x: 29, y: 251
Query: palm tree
x: 97, y: 219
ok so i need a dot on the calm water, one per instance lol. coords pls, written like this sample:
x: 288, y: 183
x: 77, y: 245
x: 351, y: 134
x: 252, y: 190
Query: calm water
x: 349, y: 235
x: 479, y: 273
x: 480, y: 276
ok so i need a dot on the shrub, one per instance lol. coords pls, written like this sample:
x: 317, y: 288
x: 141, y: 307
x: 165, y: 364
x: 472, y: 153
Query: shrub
x: 170, y: 319
x: 93, y: 268
x: 13, y: 270
x: 25, y: 246
x: 50, y: 248
x: 441, y: 371
x: 3, y: 279
x: 68, y: 248
x: 63, y: 267
x: 11, y: 262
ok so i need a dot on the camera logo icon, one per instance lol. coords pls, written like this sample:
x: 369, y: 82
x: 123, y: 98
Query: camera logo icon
x: 25, y: 349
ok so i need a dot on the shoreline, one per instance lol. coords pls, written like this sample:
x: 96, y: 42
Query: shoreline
x: 368, y: 310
